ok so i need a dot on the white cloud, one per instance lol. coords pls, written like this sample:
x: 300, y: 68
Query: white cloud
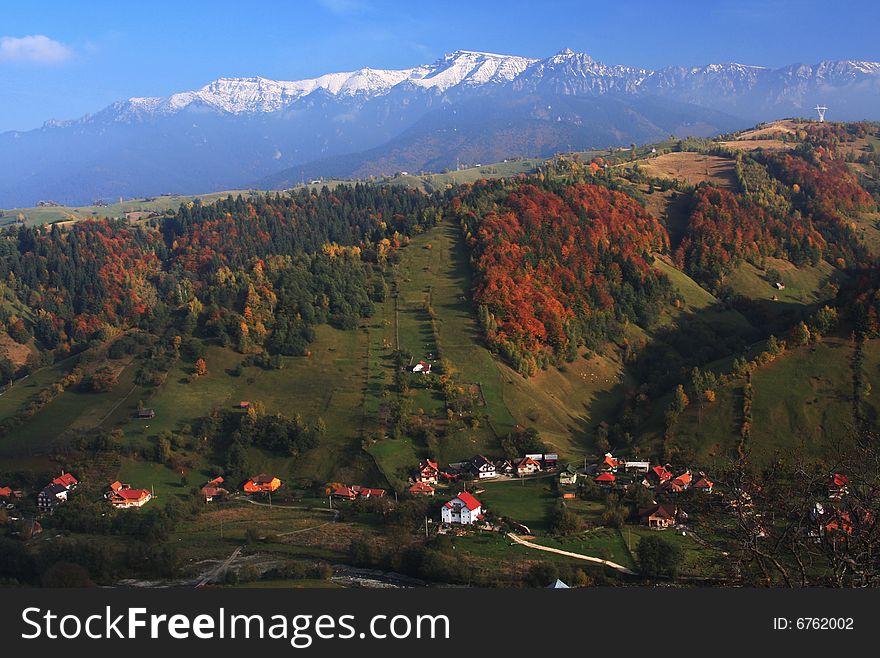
x: 36, y: 48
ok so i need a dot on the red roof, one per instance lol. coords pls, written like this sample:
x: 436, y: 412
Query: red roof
x: 5, y: 492
x: 704, y: 483
x: 609, y: 461
x: 132, y: 494
x: 469, y: 501
x: 526, y: 461
x: 116, y: 486
x: 366, y: 491
x: 840, y: 480
x: 661, y: 473
x: 344, y: 491
x: 605, y: 477
x: 421, y: 487
x: 65, y: 480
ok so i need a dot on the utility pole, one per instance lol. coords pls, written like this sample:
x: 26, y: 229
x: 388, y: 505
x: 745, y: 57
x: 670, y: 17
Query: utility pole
x: 426, y: 526
x: 821, y: 110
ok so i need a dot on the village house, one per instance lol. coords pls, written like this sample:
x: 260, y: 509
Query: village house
x: 838, y: 487
x: 421, y: 489
x: 422, y: 367
x: 350, y: 493
x: 126, y: 498
x: 262, y: 482
x: 482, y: 468
x: 657, y: 476
x: 548, y: 461
x: 608, y: 464
x: 678, y: 484
x: 568, y: 476
x: 659, y: 515
x: 427, y: 472
x: 605, y: 479
x: 51, y: 497
x: 56, y: 492
x: 704, y: 484
x: 367, y: 492
x: 146, y: 413
x: 527, y: 466
x: 343, y: 492
x: 639, y: 467
x: 212, y: 489
x: 463, y: 509
x: 5, y: 492
x: 113, y: 488
x: 504, y: 467
x: 67, y: 481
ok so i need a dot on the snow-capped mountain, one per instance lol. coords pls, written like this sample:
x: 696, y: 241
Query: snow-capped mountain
x: 470, y: 105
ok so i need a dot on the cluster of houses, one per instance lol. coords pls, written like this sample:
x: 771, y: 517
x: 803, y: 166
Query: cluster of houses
x: 355, y: 491
x: 56, y: 492
x: 660, y: 479
x: 483, y: 468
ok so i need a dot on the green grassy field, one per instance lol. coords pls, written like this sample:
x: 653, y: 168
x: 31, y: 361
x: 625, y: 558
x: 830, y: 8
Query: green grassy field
x: 802, y: 405
x: 803, y: 285
x: 527, y: 501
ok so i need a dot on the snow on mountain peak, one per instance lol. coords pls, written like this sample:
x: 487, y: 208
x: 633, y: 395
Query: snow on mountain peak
x: 567, y: 70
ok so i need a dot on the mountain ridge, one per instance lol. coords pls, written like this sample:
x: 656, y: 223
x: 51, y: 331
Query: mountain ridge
x: 234, y: 132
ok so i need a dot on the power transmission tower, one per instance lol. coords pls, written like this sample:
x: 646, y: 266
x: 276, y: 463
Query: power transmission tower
x: 821, y: 110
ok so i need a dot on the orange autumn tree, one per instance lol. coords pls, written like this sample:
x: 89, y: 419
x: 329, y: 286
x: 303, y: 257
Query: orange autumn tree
x: 559, y: 266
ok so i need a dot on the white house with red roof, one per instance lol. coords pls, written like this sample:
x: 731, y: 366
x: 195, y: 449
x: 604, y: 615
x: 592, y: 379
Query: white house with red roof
x: 463, y: 509
x: 126, y: 498
x: 527, y: 466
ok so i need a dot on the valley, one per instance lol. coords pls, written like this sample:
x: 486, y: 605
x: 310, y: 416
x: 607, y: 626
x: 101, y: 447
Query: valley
x: 686, y: 303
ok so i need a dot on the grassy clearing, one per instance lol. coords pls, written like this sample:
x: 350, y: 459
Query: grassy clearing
x: 527, y: 501
x: 803, y: 285
x: 695, y: 168
x: 166, y: 484
x: 802, y: 406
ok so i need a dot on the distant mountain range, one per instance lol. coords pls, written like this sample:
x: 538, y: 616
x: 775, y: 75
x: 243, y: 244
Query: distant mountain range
x: 466, y: 107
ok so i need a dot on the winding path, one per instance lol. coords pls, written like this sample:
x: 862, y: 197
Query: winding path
x: 579, y: 556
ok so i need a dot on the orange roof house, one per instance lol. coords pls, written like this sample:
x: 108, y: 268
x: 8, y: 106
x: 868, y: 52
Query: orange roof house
x: 125, y: 498
x: 66, y: 480
x: 367, y: 492
x: 527, y: 466
x: 355, y: 491
x: 5, y: 492
x: 262, y: 482
x: 342, y: 491
x: 658, y: 475
x: 678, y: 484
x: 427, y: 472
x: 608, y: 463
x: 421, y: 489
x: 212, y: 489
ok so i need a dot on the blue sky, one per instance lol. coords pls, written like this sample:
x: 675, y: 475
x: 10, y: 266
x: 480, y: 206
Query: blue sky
x: 63, y: 59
